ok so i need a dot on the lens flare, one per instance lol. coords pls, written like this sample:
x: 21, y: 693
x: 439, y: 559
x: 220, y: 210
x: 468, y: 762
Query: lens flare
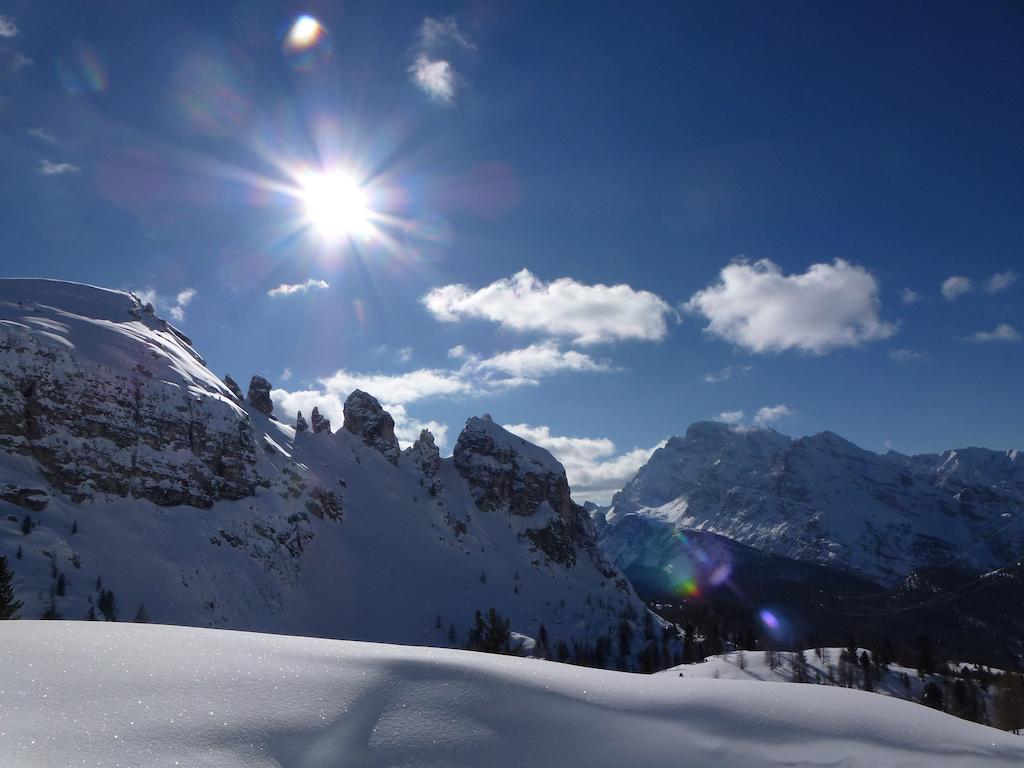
x: 769, y: 619
x: 82, y: 70
x: 306, y: 43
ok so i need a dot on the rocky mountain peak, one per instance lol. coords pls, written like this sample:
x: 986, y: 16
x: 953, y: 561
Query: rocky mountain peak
x: 320, y: 422
x: 365, y: 418
x: 259, y: 396
x: 425, y: 454
x: 300, y: 423
x: 235, y: 389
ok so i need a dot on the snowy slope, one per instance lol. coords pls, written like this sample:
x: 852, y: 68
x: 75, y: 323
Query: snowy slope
x: 822, y: 499
x: 146, y: 695
x: 149, y: 477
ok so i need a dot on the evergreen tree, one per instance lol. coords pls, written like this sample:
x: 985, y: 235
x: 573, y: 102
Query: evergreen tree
x: 107, y: 606
x: 141, y: 615
x: 9, y: 607
x: 17, y: 554
x: 932, y: 696
x: 26, y: 525
x: 452, y: 637
x: 74, y: 528
x: 1009, y: 702
x: 91, y: 615
x: 62, y: 586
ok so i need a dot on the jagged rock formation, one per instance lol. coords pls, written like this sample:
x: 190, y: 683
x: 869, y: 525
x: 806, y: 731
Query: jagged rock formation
x: 365, y: 418
x: 424, y: 454
x: 259, y: 396
x: 320, y: 424
x: 232, y: 385
x: 300, y: 423
x: 506, y: 474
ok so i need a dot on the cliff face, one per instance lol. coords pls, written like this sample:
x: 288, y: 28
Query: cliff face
x: 128, y: 467
x: 107, y: 398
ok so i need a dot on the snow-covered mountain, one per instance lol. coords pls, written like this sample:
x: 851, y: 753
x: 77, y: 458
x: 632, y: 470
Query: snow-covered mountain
x: 130, y: 474
x: 821, y: 499
x: 154, y: 696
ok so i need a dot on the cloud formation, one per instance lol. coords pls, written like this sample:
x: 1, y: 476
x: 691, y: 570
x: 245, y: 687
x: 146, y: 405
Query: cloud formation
x: 771, y: 414
x: 586, y: 314
x: 56, y: 169
x: 289, y: 289
x: 431, y: 71
x: 173, y: 306
x: 1001, y: 281
x: 956, y: 286
x: 537, y: 360
x: 906, y: 355
x: 727, y: 373
x: 43, y: 134
x: 762, y: 310
x: 731, y: 417
x: 7, y: 27
x: 910, y: 296
x: 1001, y: 332
x: 594, y: 470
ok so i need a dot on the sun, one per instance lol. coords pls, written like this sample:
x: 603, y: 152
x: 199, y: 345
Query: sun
x: 336, y: 205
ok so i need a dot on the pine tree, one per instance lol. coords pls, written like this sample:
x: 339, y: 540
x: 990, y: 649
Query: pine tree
x: 1009, y: 703
x: 74, y: 528
x: 932, y: 696
x: 141, y: 615
x: 62, y: 585
x: 9, y: 607
x: 452, y: 636
x: 107, y: 606
x: 26, y: 525
x: 91, y: 615
x: 18, y: 553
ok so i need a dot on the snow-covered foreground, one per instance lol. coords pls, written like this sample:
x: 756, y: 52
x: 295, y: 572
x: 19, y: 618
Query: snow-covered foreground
x: 145, y: 695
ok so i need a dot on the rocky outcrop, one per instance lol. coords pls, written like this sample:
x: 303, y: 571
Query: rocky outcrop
x: 506, y: 474
x: 259, y: 396
x: 425, y: 455
x: 235, y: 389
x: 365, y: 418
x: 300, y: 423
x: 320, y: 424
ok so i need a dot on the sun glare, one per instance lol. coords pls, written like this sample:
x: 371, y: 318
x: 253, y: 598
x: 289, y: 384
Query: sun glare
x: 336, y: 205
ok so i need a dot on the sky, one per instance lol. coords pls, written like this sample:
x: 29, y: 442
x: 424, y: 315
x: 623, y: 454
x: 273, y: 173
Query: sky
x: 599, y: 223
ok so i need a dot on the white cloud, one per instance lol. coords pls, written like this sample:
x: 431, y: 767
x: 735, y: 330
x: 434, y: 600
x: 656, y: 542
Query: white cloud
x: 286, y: 374
x: 287, y: 289
x: 1001, y: 281
x: 56, y: 169
x: 906, y: 355
x: 956, y: 286
x: 435, y: 77
x: 536, y: 360
x: 175, y: 306
x: 731, y: 417
x: 435, y: 33
x: 771, y: 414
x: 910, y: 296
x: 7, y: 27
x: 457, y: 352
x: 433, y: 73
x: 762, y: 310
x: 1001, y: 332
x: 727, y: 373
x: 405, y: 354
x: 587, y: 314
x: 43, y: 134
x: 400, y: 388
x: 592, y: 467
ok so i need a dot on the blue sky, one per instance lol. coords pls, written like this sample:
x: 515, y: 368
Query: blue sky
x: 599, y: 224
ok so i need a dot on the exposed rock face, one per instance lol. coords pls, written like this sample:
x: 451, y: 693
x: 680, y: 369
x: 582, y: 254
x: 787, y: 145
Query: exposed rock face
x: 425, y: 455
x: 259, y: 396
x: 235, y: 389
x: 320, y: 424
x: 365, y: 417
x: 159, y: 426
x: 300, y: 423
x: 507, y: 474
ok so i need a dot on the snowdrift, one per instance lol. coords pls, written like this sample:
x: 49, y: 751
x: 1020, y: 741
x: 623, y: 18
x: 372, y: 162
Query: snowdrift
x: 146, y: 695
